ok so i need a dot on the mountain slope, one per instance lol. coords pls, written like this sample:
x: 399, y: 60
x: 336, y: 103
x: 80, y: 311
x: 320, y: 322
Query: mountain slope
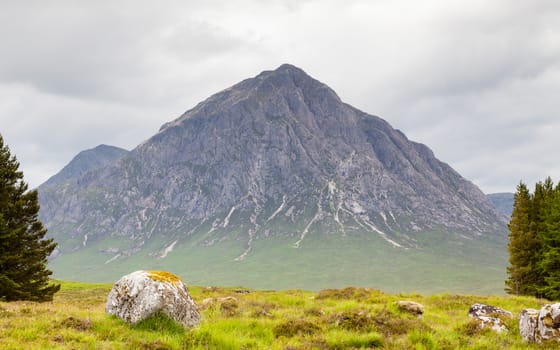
x: 276, y: 158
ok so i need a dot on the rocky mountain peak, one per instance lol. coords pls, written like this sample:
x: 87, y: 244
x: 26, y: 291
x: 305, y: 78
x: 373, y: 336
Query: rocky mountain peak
x: 86, y: 161
x: 277, y: 155
x: 287, y: 87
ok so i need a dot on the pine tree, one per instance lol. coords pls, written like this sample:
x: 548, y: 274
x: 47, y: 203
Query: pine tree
x: 543, y: 198
x: 522, y: 245
x: 23, y: 247
x: 550, y: 238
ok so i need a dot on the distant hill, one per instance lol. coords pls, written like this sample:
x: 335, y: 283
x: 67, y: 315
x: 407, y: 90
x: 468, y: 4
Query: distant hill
x: 277, y: 183
x: 86, y: 161
x: 503, y: 202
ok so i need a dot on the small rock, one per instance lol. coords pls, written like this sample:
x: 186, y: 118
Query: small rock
x: 548, y: 325
x: 411, y: 307
x: 141, y: 294
x: 489, y: 316
x: 206, y: 303
x: 528, y: 320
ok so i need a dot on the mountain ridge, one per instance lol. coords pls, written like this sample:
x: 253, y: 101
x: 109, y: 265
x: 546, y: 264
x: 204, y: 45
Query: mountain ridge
x: 86, y: 161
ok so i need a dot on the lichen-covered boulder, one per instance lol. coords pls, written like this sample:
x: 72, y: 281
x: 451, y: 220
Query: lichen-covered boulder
x: 489, y: 316
x: 548, y: 325
x: 528, y: 320
x: 477, y: 310
x: 494, y: 323
x: 411, y: 307
x: 141, y: 294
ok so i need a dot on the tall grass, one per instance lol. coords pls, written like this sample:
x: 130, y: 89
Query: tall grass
x: 349, y: 318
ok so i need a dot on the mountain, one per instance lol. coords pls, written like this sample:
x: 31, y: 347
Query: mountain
x: 503, y: 202
x: 274, y: 182
x: 86, y: 161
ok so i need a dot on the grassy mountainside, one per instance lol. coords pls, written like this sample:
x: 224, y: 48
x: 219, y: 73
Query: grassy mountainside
x: 349, y: 318
x: 443, y: 263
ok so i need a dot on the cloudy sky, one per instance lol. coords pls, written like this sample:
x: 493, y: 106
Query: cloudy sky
x: 477, y: 81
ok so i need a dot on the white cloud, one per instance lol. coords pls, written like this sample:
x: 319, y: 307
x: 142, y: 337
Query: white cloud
x: 475, y: 81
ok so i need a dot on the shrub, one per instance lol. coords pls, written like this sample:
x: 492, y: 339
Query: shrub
x: 351, y: 293
x: 472, y: 327
x: 353, y: 320
x: 390, y: 324
x: 229, y: 307
x: 262, y: 308
x: 76, y: 323
x: 348, y: 340
x: 292, y: 328
x: 149, y: 345
x: 313, y: 312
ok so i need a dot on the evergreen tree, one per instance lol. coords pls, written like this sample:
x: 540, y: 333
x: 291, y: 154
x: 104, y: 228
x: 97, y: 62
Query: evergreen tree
x: 540, y: 208
x: 522, y: 245
x: 23, y: 247
x: 550, y: 238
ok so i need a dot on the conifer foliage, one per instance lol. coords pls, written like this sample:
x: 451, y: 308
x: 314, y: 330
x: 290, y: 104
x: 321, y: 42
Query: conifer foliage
x: 534, y: 242
x: 23, y: 247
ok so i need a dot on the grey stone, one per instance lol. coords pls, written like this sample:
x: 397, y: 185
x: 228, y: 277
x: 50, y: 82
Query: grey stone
x: 548, y: 326
x: 477, y: 310
x: 489, y: 316
x: 494, y: 323
x: 528, y: 320
x: 141, y: 294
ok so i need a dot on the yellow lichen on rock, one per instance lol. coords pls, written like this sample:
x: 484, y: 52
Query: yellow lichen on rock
x: 547, y: 321
x: 163, y: 276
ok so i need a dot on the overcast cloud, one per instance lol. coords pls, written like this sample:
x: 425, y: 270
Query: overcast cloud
x: 477, y: 81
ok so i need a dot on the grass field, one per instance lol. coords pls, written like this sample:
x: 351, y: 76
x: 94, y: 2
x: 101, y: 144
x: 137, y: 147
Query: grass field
x: 442, y: 263
x: 348, y: 318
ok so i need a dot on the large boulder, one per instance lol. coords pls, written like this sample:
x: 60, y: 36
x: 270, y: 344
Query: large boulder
x: 489, y: 316
x: 528, y: 320
x: 141, y: 294
x: 548, y: 326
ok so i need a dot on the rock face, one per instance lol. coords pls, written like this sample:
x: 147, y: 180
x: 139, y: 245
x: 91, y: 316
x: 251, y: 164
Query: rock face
x: 275, y: 155
x: 528, y: 320
x: 411, y: 307
x: 141, y: 294
x: 489, y: 316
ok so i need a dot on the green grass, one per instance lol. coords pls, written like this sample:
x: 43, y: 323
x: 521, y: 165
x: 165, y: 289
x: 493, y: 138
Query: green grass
x: 441, y: 264
x: 349, y: 318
